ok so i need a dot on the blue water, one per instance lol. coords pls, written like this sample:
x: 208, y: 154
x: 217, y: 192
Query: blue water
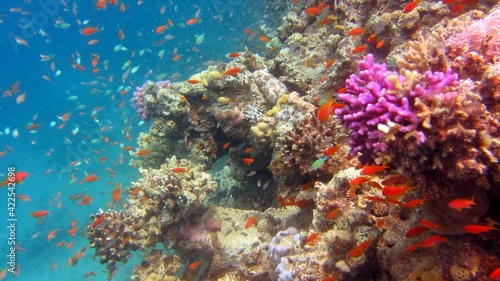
x: 56, y: 148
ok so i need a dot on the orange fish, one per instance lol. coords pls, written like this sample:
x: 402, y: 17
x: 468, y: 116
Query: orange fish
x: 179, y: 170
x: 358, y: 181
x: 358, y: 49
x: 360, y: 249
x: 101, y: 4
x: 264, y: 39
x: 143, y: 152
x: 91, y: 178
x: 73, y: 231
x: 415, y: 202
x: 459, y: 204
x: 380, y: 44
x: 433, y: 240
x: 311, y: 238
x: 160, y: 29
x: 356, y: 31
x: 89, y: 31
x: 39, y: 214
x: 248, y: 161
x: 373, y: 169
x: 193, y: 81
x: 116, y: 193
x: 232, y: 71
x: 251, y: 221
x: 313, y: 11
x: 52, y: 234
x: 326, y: 110
x: 248, y: 31
x: 192, y: 267
x: 192, y: 21
x: 372, y: 39
x: 332, y: 214
x: 329, y: 63
x: 226, y: 145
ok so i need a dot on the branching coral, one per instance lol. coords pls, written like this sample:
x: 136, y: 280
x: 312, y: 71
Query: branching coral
x: 379, y: 106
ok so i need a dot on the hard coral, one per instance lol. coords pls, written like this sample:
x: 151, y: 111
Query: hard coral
x: 380, y: 107
x: 140, y: 97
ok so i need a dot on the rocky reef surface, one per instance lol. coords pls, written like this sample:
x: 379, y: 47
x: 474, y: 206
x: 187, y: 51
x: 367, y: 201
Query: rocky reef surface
x: 366, y: 148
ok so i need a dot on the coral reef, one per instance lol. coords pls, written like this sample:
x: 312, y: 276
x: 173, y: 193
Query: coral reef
x: 265, y: 189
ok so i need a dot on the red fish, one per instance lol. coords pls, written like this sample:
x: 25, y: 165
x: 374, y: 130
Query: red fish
x: 332, y: 214
x: 395, y: 192
x: 429, y: 224
x: 98, y: 221
x: 416, y: 231
x: 433, y: 240
x: 192, y: 21
x: 360, y: 249
x: 356, y: 31
x: 52, y: 234
x: 373, y: 169
x: 326, y: 110
x: 251, y: 221
x: 495, y: 275
x: 91, y: 178
x: 413, y: 247
x: 358, y: 181
x: 331, y: 150
x: 264, y: 39
x: 358, y: 49
x: 192, y: 267
x: 39, y: 214
x: 478, y: 229
x: 116, y: 193
x: 232, y: 71
x: 179, y: 170
x: 313, y: 11
x: 193, y: 81
x: 311, y: 238
x: 248, y: 161
x: 410, y: 6
x: 89, y: 31
x: 459, y: 204
x: 73, y: 231
x: 329, y: 63
x: 415, y: 202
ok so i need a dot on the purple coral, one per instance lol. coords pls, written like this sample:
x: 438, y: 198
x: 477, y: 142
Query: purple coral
x: 139, y: 98
x: 376, y: 107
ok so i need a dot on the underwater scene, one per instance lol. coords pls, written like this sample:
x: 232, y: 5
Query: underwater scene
x: 250, y: 140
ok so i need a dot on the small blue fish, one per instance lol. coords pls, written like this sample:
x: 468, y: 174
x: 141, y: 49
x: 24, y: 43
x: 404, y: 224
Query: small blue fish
x: 317, y: 164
